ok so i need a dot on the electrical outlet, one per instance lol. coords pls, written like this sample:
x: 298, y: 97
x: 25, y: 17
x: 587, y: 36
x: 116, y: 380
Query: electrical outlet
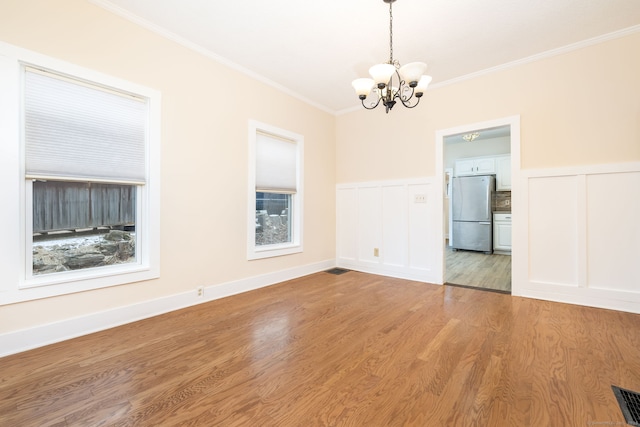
x: 420, y: 198
x: 376, y: 252
x: 201, y: 291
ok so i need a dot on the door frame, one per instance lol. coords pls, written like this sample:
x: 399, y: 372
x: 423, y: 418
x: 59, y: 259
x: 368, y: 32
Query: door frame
x: 517, y: 264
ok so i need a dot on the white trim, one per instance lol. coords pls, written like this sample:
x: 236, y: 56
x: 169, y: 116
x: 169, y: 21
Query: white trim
x: 11, y: 216
x: 41, y: 335
x: 297, y: 199
x: 411, y: 262
x: 581, y: 224
x: 35, y: 59
x: 16, y: 285
x: 425, y: 276
x: 105, y: 4
x: 580, y: 291
x: 391, y: 182
x: 590, y: 297
x: 518, y: 243
x: 529, y: 59
x: 543, y: 55
x: 203, y: 51
x: 582, y: 170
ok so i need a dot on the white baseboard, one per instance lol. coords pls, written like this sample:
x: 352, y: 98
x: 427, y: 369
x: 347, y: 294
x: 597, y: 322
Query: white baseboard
x: 41, y: 335
x: 417, y: 275
x: 601, y: 298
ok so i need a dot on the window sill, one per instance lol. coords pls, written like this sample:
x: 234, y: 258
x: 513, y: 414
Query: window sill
x: 56, y: 284
x: 269, y: 251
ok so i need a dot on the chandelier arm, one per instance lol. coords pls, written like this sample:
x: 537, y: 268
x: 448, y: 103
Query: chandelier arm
x: 401, y: 86
x: 408, y: 104
x: 371, y: 108
x: 407, y: 99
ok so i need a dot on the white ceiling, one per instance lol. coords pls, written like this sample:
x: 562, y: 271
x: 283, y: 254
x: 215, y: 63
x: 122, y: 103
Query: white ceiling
x: 314, y: 49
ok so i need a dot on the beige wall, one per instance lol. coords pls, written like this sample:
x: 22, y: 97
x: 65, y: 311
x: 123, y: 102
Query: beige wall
x: 577, y: 108
x: 204, y: 153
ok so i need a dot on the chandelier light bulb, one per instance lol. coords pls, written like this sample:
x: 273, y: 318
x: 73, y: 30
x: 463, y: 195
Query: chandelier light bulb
x: 422, y: 85
x: 363, y: 87
x: 412, y: 72
x: 381, y: 74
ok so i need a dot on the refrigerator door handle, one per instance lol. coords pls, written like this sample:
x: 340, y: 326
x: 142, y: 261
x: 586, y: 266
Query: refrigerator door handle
x: 485, y: 222
x: 488, y: 206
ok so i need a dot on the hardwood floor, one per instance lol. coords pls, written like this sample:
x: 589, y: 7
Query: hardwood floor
x: 326, y: 350
x: 478, y: 270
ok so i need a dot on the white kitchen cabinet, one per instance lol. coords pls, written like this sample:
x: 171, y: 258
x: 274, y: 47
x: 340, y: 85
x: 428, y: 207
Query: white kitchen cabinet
x: 475, y: 166
x: 465, y: 167
x: 503, y: 173
x: 502, y: 232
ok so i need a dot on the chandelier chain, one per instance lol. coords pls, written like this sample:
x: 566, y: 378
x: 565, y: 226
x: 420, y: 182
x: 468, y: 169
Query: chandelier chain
x: 390, y: 33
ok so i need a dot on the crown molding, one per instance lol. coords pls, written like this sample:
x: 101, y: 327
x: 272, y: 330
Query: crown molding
x: 543, y: 55
x: 117, y: 10
x: 107, y: 5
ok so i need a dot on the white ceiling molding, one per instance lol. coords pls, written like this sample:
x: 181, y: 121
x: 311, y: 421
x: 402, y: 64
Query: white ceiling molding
x: 123, y: 13
x: 313, y: 50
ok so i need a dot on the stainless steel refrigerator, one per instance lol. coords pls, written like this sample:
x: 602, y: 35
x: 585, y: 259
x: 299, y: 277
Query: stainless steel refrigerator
x: 471, y: 212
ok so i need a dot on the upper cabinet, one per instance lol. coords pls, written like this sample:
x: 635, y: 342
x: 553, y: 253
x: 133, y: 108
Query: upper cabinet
x: 498, y: 165
x: 475, y: 166
x: 503, y: 173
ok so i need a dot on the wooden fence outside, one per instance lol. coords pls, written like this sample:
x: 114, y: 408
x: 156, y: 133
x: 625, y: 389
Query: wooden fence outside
x: 76, y: 205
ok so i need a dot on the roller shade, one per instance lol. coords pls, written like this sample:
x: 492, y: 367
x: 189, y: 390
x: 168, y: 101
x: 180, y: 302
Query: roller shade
x: 276, y: 164
x: 79, y: 131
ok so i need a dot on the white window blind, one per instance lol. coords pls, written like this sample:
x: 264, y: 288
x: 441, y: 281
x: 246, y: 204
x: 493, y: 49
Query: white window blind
x: 75, y: 130
x: 276, y: 164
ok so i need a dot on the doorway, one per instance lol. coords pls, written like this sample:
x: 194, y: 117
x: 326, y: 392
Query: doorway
x: 483, y: 149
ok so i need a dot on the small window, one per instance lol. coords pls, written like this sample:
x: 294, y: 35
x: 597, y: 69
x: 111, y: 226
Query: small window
x: 273, y: 218
x: 275, y: 196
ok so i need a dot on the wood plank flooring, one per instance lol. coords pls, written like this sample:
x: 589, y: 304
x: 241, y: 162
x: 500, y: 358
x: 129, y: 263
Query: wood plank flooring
x: 477, y: 269
x: 326, y: 350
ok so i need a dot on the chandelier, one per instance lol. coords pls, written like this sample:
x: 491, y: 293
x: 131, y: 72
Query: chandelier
x: 390, y: 82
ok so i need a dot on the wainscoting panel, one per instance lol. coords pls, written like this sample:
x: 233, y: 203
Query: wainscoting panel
x: 613, y: 237
x: 553, y: 234
x: 347, y: 223
x: 580, y: 233
x: 369, y: 215
x: 393, y: 223
x: 394, y: 226
x: 422, y: 234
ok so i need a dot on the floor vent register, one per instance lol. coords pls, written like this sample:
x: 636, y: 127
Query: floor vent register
x: 629, y: 402
x: 336, y: 271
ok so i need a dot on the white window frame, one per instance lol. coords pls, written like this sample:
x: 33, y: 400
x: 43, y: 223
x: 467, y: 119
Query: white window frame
x: 295, y: 246
x: 16, y: 281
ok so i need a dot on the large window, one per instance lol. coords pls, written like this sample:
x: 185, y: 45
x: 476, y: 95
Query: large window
x: 275, y: 194
x: 84, y: 164
x: 85, y: 150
